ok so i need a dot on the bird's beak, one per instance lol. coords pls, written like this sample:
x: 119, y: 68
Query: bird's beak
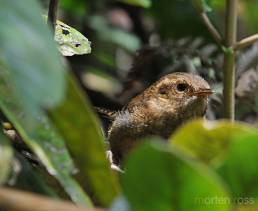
x: 203, y: 93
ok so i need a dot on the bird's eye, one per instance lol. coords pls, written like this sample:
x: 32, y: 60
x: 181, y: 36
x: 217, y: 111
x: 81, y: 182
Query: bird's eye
x: 182, y: 87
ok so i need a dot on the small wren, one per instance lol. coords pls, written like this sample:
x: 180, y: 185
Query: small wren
x: 158, y: 111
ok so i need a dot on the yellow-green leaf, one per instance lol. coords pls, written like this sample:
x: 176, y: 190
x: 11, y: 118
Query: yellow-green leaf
x: 70, y: 41
x: 205, y: 140
x: 86, y: 144
x: 229, y: 148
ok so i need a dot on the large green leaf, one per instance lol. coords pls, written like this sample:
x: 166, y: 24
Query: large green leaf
x: 251, y: 206
x: 41, y: 137
x: 208, y: 141
x: 32, y: 77
x: 85, y: 142
x: 231, y: 149
x: 29, y: 52
x: 158, y: 178
x: 5, y: 158
x: 240, y: 170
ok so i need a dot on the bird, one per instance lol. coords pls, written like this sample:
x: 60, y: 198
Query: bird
x: 158, y: 111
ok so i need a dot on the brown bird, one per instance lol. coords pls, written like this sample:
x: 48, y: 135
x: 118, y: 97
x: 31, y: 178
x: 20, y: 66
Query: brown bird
x: 158, y: 110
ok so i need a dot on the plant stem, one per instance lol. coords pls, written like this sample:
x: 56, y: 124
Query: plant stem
x: 246, y: 42
x: 52, y: 11
x: 229, y: 59
x: 205, y: 19
x: 213, y: 31
x: 16, y: 200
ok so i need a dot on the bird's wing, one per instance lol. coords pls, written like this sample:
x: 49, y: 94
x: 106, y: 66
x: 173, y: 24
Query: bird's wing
x: 106, y: 113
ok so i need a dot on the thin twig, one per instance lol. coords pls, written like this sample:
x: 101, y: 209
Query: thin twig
x: 229, y: 59
x: 213, y: 31
x: 205, y: 19
x: 52, y: 13
x: 246, y: 42
x: 19, y: 201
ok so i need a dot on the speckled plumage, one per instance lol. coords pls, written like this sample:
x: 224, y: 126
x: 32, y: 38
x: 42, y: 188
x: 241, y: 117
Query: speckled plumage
x: 159, y: 110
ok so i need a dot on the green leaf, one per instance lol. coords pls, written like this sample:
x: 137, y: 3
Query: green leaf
x: 32, y: 77
x: 71, y: 42
x: 240, y: 170
x: 207, y: 141
x: 29, y: 52
x: 248, y: 206
x: 201, y: 6
x: 158, y: 178
x: 85, y: 142
x: 41, y: 137
x: 231, y: 149
x: 141, y: 3
x: 6, y: 155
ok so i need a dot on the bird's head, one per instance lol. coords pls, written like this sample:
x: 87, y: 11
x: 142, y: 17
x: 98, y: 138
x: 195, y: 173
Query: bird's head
x: 179, y: 93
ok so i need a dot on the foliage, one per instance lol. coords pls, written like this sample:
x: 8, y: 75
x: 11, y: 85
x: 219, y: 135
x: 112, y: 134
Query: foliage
x: 55, y: 137
x: 71, y: 42
x: 176, y: 183
x: 40, y: 135
x: 24, y: 39
x: 85, y: 142
x: 229, y: 149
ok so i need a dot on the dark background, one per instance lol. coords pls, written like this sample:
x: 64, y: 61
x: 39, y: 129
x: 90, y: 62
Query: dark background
x: 133, y: 46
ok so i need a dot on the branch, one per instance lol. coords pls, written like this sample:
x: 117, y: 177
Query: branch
x: 52, y: 11
x: 213, y: 31
x: 19, y: 201
x: 205, y: 19
x: 246, y: 42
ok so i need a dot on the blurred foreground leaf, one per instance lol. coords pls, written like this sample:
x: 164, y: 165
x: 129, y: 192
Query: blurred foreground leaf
x: 157, y: 178
x: 5, y: 158
x: 32, y: 77
x: 248, y: 207
x: 208, y: 141
x: 29, y: 52
x: 85, y: 142
x: 233, y: 145
x: 240, y: 170
x: 41, y: 137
